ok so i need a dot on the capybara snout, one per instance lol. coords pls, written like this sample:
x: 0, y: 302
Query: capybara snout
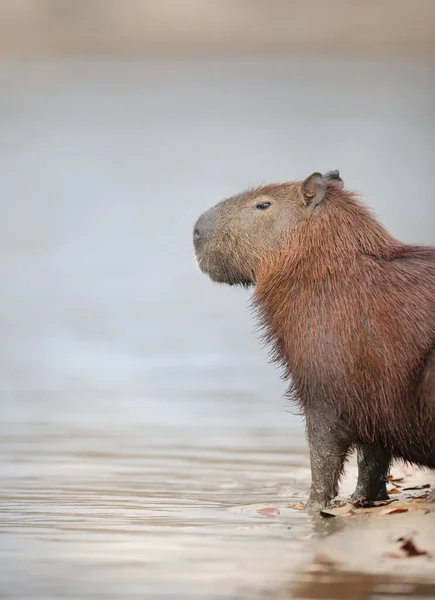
x: 241, y: 236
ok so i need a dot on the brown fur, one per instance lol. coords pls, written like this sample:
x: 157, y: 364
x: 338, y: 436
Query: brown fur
x: 351, y: 313
x: 348, y: 309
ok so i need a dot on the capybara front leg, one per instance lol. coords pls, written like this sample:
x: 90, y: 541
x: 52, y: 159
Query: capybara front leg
x: 329, y: 446
x: 373, y: 466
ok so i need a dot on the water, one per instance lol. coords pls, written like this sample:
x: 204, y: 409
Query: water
x: 141, y: 426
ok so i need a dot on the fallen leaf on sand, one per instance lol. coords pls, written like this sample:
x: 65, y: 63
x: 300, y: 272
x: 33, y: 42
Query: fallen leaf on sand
x: 421, y: 496
x: 410, y: 548
x: 394, y: 491
x: 341, y: 511
x: 269, y: 511
x: 393, y: 511
x: 407, y: 549
x: 426, y: 486
x: 395, y: 479
x: 298, y: 506
x: 328, y: 514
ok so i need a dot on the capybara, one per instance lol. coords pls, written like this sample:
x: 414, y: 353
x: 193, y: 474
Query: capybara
x: 350, y: 314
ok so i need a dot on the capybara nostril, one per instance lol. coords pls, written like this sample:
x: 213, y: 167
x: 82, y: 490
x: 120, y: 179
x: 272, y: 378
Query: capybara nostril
x: 202, y: 229
x: 198, y: 234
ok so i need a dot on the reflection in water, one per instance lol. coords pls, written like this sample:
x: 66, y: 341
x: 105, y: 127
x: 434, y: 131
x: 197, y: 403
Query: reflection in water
x: 141, y: 428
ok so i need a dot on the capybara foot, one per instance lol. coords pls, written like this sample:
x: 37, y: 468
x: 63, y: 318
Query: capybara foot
x: 360, y: 496
x: 315, y: 504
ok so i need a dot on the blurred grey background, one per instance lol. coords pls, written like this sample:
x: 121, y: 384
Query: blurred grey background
x: 107, y: 164
x: 121, y: 121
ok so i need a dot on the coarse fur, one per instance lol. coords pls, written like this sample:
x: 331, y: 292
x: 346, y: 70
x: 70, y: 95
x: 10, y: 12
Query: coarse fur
x: 350, y: 314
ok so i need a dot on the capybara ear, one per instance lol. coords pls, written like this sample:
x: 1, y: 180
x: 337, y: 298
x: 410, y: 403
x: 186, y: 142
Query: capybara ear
x: 313, y: 190
x: 334, y: 176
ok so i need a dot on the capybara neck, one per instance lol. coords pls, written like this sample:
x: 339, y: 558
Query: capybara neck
x: 323, y: 247
x: 339, y: 230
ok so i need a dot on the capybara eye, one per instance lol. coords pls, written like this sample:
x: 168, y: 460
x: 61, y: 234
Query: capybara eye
x: 263, y: 205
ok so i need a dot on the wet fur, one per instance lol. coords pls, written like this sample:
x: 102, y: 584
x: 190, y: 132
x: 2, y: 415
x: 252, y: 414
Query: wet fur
x: 350, y: 312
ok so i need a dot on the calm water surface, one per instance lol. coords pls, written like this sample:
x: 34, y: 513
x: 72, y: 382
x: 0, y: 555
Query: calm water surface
x: 101, y: 495
x: 141, y: 426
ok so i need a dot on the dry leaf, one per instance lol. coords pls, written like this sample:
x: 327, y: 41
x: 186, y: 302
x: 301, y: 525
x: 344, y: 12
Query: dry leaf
x: 393, y: 511
x: 395, y: 479
x: 341, y: 511
x: 269, y: 511
x: 394, y: 491
x: 421, y: 496
x: 409, y: 547
x: 298, y: 506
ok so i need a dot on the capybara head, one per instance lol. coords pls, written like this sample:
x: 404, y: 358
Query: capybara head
x: 242, y: 234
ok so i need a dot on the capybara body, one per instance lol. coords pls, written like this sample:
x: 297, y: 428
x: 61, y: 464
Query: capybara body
x: 350, y: 314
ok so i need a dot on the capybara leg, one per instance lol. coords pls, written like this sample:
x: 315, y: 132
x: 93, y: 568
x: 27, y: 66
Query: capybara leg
x: 329, y: 447
x: 373, y: 466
